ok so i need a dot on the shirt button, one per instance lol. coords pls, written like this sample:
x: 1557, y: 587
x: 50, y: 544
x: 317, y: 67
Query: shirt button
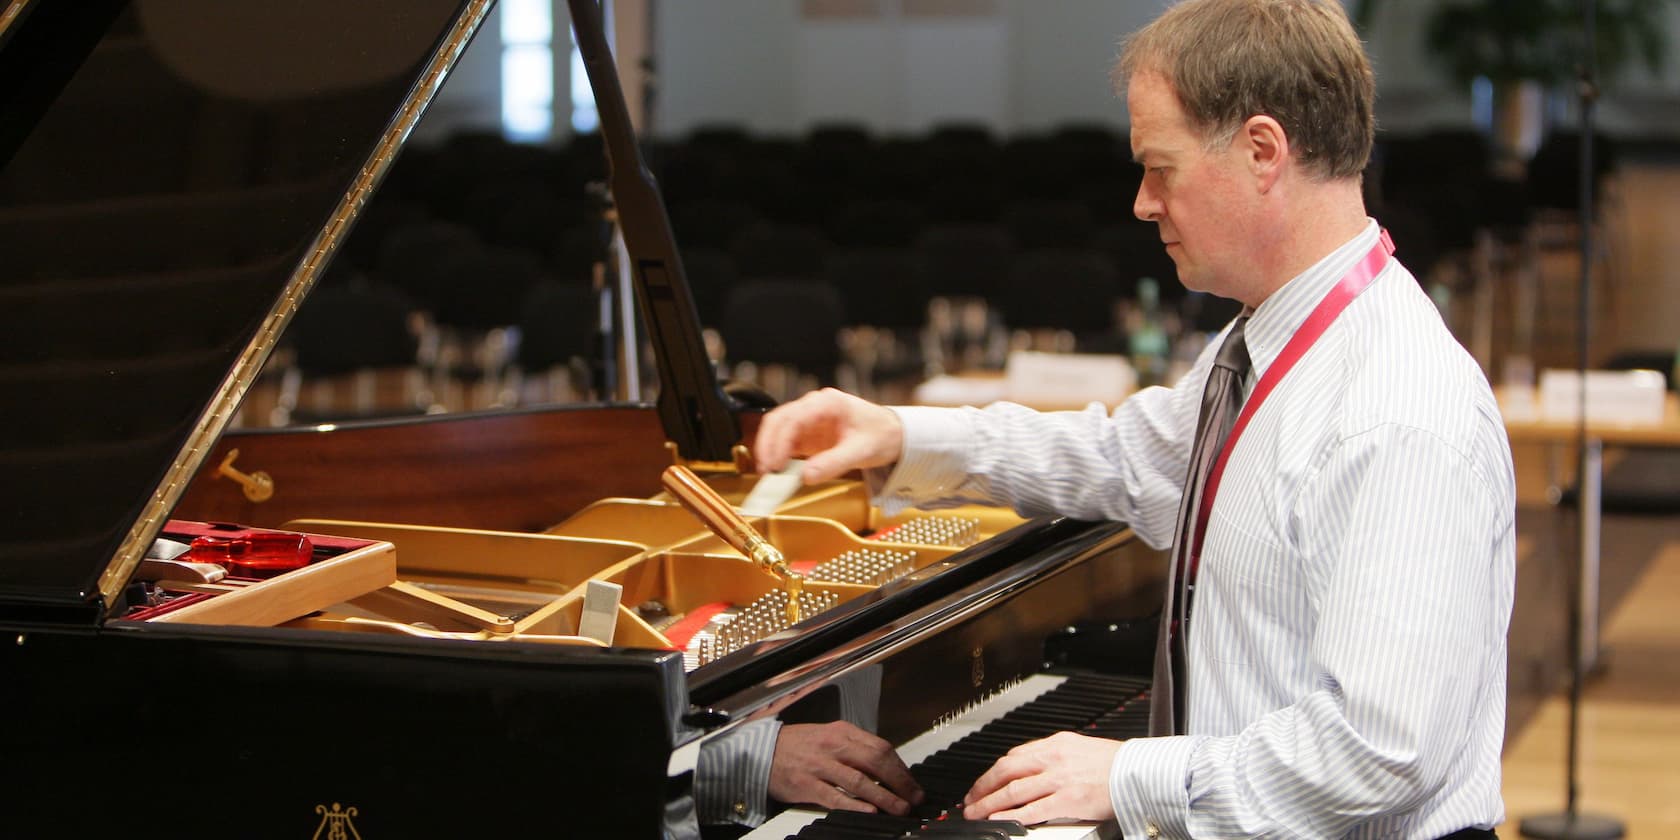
x: 740, y: 809
x: 1151, y: 830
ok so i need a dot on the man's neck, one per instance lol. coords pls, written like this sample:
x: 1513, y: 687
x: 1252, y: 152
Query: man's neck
x: 1318, y: 221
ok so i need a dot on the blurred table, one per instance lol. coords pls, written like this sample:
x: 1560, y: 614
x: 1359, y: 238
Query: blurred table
x: 1525, y: 424
x: 1045, y: 381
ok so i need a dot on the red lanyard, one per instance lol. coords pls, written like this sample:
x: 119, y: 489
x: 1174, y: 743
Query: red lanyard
x: 1357, y: 280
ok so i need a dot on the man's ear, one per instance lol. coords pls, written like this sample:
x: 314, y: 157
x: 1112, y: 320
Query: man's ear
x: 1267, y: 149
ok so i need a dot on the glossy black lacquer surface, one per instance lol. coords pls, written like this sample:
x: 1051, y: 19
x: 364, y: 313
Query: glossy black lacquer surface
x: 164, y: 166
x: 145, y: 731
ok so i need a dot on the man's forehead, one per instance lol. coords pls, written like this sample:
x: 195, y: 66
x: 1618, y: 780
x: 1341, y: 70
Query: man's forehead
x: 1154, y: 114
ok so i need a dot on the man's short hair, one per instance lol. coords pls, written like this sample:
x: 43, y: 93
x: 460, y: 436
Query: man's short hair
x: 1297, y: 61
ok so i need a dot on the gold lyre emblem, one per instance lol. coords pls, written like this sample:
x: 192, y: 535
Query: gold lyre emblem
x: 977, y: 667
x: 336, y: 824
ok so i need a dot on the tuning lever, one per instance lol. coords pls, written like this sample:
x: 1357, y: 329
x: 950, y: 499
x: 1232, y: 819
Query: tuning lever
x: 258, y: 485
x: 723, y: 520
x: 718, y: 515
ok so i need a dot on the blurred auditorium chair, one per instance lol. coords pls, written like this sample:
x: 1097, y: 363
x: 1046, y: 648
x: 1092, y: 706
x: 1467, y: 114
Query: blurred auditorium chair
x: 575, y: 251
x: 790, y: 192
x: 581, y: 162
x: 1072, y: 291
x: 784, y: 335
x: 412, y: 258
x: 886, y: 295
x: 353, y: 353
x: 688, y: 173
x: 883, y: 287
x: 1554, y: 173
x: 962, y: 197
x: 467, y: 161
x: 962, y: 134
x: 840, y: 135
x: 875, y: 224
x: 711, y: 275
x: 558, y: 341
x: 531, y: 218
x: 897, y: 170
x: 770, y: 249
x: 478, y: 304
x: 1110, y: 197
x: 1416, y: 244
x: 384, y: 214
x: 711, y: 222
x: 1034, y: 169
x: 1134, y: 249
x: 956, y: 152
x: 966, y: 259
x: 719, y: 135
x: 1444, y: 174
x: 1049, y: 223
x: 1095, y: 145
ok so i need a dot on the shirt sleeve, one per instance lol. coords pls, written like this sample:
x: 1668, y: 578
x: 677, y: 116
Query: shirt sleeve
x: 1128, y: 466
x: 732, y: 776
x: 1400, y: 533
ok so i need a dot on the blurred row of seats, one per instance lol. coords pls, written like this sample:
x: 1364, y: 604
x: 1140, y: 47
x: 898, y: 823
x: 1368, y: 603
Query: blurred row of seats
x: 487, y: 252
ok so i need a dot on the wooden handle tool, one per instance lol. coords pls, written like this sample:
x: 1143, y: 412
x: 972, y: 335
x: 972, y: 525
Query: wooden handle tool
x: 713, y: 510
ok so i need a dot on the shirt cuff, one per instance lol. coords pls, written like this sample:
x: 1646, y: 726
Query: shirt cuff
x: 1149, y: 786
x: 933, y: 463
x: 732, y: 777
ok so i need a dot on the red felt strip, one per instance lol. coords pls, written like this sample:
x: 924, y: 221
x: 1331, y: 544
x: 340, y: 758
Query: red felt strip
x: 682, y: 631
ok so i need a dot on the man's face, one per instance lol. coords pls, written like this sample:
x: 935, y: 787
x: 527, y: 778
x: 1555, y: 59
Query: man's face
x: 1200, y: 200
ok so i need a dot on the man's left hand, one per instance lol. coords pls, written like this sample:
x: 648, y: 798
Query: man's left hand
x: 1062, y: 776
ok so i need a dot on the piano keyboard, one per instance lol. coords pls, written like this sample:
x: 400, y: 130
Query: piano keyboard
x: 948, y: 759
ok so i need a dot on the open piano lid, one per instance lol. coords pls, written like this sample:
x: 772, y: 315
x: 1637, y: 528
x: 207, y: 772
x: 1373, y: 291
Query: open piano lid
x: 174, y: 176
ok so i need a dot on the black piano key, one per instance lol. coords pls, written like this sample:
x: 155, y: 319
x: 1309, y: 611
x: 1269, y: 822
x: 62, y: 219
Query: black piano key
x: 874, y: 822
x: 960, y: 831
x: 857, y: 825
x: 946, y: 827
x: 818, y: 831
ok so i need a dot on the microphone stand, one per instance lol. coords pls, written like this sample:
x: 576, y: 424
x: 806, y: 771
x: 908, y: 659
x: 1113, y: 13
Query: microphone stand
x: 1571, y: 824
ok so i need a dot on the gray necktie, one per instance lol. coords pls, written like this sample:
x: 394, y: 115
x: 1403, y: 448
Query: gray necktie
x: 1222, y: 400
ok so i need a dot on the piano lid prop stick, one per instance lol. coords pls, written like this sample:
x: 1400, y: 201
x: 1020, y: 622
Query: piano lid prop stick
x: 713, y: 510
x: 600, y: 610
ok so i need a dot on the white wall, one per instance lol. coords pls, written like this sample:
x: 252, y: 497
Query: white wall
x: 1028, y: 65
x: 725, y: 61
x: 760, y: 63
x: 1024, y: 65
x: 1064, y: 51
x: 471, y: 98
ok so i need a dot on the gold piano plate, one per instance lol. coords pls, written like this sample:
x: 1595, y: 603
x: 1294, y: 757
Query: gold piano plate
x: 490, y: 585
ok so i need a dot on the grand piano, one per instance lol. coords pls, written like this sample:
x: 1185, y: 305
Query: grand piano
x: 429, y: 654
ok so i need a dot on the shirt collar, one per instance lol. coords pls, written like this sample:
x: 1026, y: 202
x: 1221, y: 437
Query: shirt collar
x: 1281, y: 314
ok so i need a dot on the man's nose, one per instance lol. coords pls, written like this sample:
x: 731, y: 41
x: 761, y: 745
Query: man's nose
x: 1145, y: 206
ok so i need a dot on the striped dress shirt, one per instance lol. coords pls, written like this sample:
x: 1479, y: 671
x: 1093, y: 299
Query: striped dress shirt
x: 1347, y: 648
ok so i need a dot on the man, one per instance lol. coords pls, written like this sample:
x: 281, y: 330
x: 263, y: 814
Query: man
x: 1344, y: 649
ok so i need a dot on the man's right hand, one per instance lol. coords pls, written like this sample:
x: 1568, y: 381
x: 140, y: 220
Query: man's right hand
x: 834, y: 431
x: 839, y: 766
